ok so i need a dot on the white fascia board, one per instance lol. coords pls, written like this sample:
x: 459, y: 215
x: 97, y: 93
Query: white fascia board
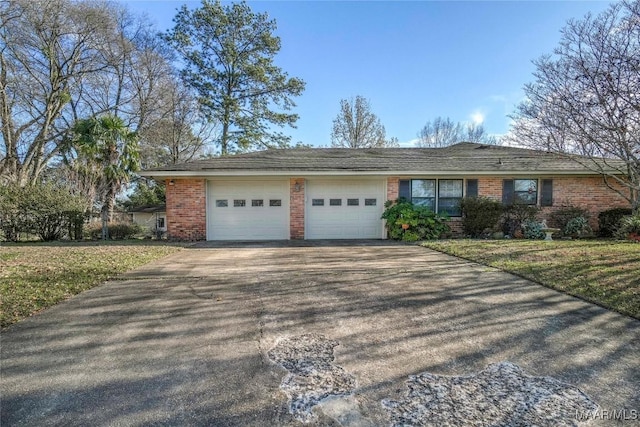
x: 287, y: 174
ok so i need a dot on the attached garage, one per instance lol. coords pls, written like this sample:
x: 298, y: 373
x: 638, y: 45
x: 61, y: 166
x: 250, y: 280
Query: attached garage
x: 248, y: 209
x: 344, y: 208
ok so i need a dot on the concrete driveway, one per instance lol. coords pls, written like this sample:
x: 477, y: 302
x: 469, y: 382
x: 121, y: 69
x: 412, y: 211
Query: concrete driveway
x: 324, y: 334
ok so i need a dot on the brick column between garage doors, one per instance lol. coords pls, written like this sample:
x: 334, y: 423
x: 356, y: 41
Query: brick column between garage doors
x: 296, y: 208
x: 186, y: 209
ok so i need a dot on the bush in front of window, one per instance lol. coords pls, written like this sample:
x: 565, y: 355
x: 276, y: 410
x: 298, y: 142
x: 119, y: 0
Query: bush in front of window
x: 609, y: 220
x: 410, y: 223
x: 480, y: 216
x: 515, y: 216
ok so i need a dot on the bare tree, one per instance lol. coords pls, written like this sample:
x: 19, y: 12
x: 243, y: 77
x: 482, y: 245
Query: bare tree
x: 442, y: 132
x: 180, y: 132
x: 357, y: 127
x: 46, y: 49
x: 62, y: 61
x: 585, y: 101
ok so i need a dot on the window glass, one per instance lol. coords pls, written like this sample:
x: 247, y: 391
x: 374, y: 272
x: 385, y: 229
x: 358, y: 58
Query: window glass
x: 237, y: 203
x: 160, y: 222
x: 317, y: 202
x: 221, y: 203
x: 370, y: 202
x: 423, y: 188
x: 449, y: 196
x: 257, y: 203
x: 335, y: 202
x: 275, y: 202
x: 526, y: 191
x: 353, y: 202
x: 423, y: 193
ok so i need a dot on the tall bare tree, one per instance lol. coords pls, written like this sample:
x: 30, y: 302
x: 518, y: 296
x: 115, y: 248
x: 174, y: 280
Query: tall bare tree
x: 356, y: 126
x: 442, y: 132
x: 62, y: 61
x: 584, y: 99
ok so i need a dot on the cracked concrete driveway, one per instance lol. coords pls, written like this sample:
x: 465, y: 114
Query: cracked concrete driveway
x: 186, y: 341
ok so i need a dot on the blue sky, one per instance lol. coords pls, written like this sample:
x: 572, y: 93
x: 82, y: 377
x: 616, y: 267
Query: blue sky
x: 414, y: 60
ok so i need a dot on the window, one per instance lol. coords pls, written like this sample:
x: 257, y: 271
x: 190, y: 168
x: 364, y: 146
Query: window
x: 335, y: 202
x: 353, y: 202
x: 520, y: 191
x: 275, y: 202
x: 221, y: 203
x: 239, y: 203
x: 423, y: 193
x: 442, y: 195
x: 317, y: 202
x: 256, y: 203
x: 370, y: 202
x: 160, y: 223
x: 449, y: 196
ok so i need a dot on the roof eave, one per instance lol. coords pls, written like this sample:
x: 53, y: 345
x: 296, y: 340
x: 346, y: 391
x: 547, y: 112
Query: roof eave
x: 303, y: 173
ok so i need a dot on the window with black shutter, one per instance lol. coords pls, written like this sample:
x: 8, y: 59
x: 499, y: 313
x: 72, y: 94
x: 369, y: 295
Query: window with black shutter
x: 472, y: 188
x: 546, y: 197
x: 405, y: 189
x: 507, y: 192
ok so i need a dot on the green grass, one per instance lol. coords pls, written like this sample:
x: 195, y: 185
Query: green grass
x: 604, y: 272
x: 38, y: 275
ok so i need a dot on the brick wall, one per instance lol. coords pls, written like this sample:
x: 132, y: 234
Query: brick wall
x: 590, y: 193
x: 296, y: 208
x: 393, y: 187
x: 186, y: 209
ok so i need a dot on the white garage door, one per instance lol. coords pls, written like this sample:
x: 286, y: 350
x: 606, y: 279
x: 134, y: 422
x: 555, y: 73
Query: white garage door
x: 248, y: 210
x: 344, y: 209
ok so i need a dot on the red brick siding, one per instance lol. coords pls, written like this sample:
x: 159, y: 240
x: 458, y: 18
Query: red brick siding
x: 393, y: 188
x: 296, y: 208
x: 590, y: 193
x: 186, y: 209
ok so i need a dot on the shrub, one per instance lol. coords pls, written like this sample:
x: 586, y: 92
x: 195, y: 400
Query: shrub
x: 628, y: 225
x: 480, y: 215
x: 420, y: 222
x: 532, y: 229
x: 561, y: 217
x: 117, y: 230
x: 516, y: 215
x: 46, y: 210
x: 577, y: 226
x: 609, y: 220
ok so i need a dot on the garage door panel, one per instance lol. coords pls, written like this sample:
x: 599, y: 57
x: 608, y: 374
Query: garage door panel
x: 248, y: 210
x: 344, y: 221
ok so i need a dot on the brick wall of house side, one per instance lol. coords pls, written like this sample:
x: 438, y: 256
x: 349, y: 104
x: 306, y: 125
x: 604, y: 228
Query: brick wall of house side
x: 393, y: 188
x: 296, y: 208
x: 186, y: 209
x: 590, y: 193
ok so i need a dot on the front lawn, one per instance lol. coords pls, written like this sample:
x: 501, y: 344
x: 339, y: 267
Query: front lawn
x: 36, y: 276
x: 604, y: 272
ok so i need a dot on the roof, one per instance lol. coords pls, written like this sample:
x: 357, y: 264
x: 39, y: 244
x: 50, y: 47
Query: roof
x: 461, y: 158
x: 149, y: 209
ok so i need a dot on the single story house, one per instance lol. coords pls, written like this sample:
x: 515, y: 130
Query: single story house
x: 327, y: 193
x: 151, y: 217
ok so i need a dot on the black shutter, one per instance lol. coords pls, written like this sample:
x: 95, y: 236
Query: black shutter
x: 405, y: 189
x: 472, y: 188
x: 546, y: 198
x: 507, y: 192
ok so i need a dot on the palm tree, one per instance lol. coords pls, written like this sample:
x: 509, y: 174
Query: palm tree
x: 111, y: 148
